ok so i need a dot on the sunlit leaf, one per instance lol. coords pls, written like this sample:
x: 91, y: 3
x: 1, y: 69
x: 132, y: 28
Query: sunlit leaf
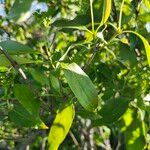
x: 15, y: 48
x: 106, y: 11
x: 60, y: 126
x: 134, y: 131
x: 82, y: 86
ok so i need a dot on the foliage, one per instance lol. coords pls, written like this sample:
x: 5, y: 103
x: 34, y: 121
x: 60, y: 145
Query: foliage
x: 74, y: 74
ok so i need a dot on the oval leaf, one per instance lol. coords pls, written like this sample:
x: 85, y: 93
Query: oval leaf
x: 15, y: 48
x: 60, y: 126
x: 82, y: 86
x: 106, y: 11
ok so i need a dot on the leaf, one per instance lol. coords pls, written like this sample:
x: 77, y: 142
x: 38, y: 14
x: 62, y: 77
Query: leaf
x: 55, y: 83
x: 39, y: 76
x: 82, y: 86
x: 145, y: 43
x: 15, y: 48
x: 78, y: 23
x: 134, y: 131
x: 27, y: 98
x: 20, y: 10
x: 112, y: 110
x: 21, y: 117
x: 60, y: 126
x: 20, y: 60
x: 127, y: 56
x: 106, y: 11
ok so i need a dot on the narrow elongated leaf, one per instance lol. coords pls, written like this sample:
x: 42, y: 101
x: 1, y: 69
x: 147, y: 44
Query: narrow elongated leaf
x: 106, y: 11
x: 82, y: 86
x: 111, y: 111
x: 27, y: 98
x: 60, y: 126
x: 145, y: 43
x: 15, y: 48
x: 20, y: 10
x: 20, y: 60
x: 55, y: 83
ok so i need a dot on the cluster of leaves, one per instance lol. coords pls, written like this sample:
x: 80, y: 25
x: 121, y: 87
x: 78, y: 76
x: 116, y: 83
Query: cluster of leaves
x: 78, y: 68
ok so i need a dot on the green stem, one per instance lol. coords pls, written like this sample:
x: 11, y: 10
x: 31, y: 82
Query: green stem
x: 120, y: 15
x: 92, y: 15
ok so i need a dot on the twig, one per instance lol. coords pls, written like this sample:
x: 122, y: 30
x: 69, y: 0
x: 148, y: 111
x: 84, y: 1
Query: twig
x: 14, y: 63
x: 73, y: 138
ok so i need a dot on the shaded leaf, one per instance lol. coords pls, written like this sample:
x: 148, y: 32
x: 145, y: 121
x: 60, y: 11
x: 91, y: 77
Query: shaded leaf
x: 27, y: 98
x: 39, y: 76
x: 20, y: 10
x: 82, y: 86
x: 126, y: 55
x: 21, y: 117
x: 15, y: 48
x: 20, y: 60
x: 60, y: 126
x: 55, y: 83
x: 111, y: 111
x: 145, y: 43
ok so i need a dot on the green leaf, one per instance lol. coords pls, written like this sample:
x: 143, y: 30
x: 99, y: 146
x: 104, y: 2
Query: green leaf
x: 60, y: 126
x: 27, y: 98
x: 20, y: 10
x: 106, y: 11
x: 134, y: 131
x: 15, y: 48
x: 21, y: 117
x: 127, y: 56
x: 39, y: 76
x: 55, y: 83
x: 145, y: 43
x: 82, y: 86
x: 20, y: 60
x: 112, y: 110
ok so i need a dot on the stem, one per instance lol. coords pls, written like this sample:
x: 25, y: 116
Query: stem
x: 92, y: 15
x: 120, y: 15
